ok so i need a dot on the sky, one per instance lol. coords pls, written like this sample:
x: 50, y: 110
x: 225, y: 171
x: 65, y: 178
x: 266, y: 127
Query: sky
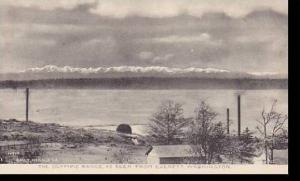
x: 235, y: 35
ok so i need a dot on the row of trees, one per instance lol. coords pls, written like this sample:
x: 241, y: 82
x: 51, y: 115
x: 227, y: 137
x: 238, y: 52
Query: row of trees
x: 208, y: 138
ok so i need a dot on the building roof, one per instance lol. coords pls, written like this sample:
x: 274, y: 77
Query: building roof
x: 173, y: 151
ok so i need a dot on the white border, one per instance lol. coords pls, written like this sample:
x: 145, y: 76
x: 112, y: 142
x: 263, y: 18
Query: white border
x: 140, y: 169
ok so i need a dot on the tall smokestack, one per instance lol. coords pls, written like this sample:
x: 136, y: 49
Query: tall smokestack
x: 27, y: 103
x: 227, y: 120
x: 239, y: 115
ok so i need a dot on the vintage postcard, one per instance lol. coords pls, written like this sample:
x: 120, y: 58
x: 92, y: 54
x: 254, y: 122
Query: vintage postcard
x: 144, y: 86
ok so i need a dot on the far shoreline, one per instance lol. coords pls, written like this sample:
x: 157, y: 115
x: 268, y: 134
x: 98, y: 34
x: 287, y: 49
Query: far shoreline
x: 148, y: 83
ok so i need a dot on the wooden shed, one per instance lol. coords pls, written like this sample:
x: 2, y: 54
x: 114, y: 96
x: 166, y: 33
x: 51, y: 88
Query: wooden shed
x: 173, y: 154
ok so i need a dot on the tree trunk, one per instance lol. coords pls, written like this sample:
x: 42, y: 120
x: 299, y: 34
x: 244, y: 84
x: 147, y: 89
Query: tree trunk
x: 266, y: 146
x: 232, y: 157
x: 168, y: 130
x: 210, y: 158
x: 241, y: 158
x: 266, y: 153
x: 206, y: 158
x: 271, y: 156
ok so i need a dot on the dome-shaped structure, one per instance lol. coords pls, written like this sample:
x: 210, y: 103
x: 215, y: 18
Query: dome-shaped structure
x: 124, y: 128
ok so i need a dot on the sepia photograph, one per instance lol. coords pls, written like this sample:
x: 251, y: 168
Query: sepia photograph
x: 161, y: 84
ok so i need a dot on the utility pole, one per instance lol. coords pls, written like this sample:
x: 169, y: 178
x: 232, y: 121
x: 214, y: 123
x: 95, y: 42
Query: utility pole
x: 27, y: 103
x: 228, y: 121
x: 239, y: 115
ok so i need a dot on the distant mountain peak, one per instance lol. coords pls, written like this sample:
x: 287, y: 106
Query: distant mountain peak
x: 265, y: 13
x: 122, y: 69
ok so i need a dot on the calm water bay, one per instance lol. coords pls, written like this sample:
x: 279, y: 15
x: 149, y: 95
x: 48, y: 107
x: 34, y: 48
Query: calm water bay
x: 83, y: 107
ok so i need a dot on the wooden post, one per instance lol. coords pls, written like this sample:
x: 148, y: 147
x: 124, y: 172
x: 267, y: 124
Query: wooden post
x: 239, y: 115
x: 27, y: 103
x: 227, y: 120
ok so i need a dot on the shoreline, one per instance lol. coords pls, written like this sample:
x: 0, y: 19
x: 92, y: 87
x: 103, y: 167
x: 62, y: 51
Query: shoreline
x: 138, y: 129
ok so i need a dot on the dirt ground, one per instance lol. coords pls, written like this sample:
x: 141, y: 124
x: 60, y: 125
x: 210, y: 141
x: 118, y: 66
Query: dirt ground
x: 94, y: 154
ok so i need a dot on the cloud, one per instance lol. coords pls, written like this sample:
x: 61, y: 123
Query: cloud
x: 146, y: 55
x: 160, y: 59
x: 156, y: 8
x: 105, y: 41
x: 46, y: 4
x: 155, y: 59
x: 204, y: 37
x: 72, y: 34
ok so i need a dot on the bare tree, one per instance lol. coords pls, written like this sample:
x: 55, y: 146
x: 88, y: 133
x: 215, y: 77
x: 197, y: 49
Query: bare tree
x: 207, y: 138
x: 271, y: 124
x: 166, y: 125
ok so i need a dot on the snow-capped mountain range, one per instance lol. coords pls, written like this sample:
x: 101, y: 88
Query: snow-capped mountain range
x: 122, y: 69
x: 68, y: 72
